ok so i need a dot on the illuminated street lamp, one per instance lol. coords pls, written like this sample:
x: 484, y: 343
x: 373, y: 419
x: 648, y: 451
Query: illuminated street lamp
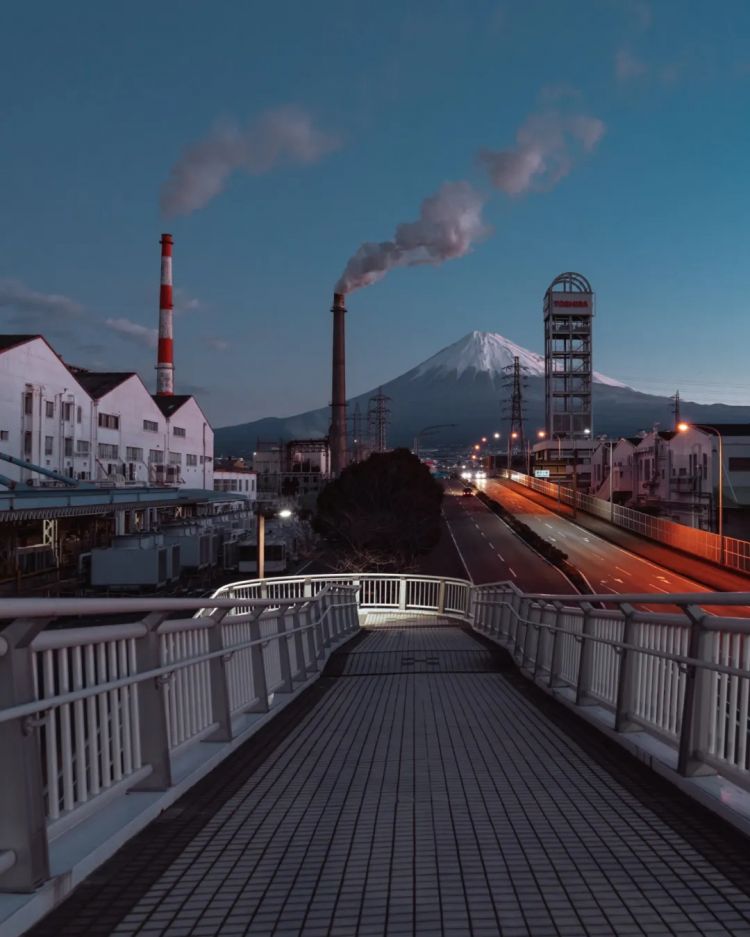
x: 512, y: 436
x: 261, y: 514
x: 683, y: 428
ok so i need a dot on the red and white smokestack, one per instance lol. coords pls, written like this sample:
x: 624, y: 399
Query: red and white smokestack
x: 338, y: 392
x: 165, y: 355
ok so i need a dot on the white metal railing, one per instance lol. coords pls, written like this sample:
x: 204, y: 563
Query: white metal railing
x: 89, y: 713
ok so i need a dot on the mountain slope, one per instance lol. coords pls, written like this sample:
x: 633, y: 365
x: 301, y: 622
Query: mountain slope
x: 463, y: 384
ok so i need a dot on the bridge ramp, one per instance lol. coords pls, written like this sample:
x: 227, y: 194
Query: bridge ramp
x: 421, y: 789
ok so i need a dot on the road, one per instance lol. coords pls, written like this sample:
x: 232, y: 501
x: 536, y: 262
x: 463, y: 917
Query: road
x: 491, y: 551
x: 608, y: 568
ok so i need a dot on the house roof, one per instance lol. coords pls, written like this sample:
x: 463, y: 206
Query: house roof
x: 99, y: 383
x: 726, y: 429
x: 170, y: 403
x: 11, y: 341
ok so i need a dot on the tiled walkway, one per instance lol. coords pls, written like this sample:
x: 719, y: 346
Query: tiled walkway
x: 417, y: 798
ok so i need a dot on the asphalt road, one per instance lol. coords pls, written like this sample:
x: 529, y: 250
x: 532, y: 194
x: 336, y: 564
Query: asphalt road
x: 491, y: 552
x: 609, y: 569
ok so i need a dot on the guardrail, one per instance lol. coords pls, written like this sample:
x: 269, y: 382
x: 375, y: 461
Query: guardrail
x: 90, y: 713
x: 702, y: 543
x: 683, y: 677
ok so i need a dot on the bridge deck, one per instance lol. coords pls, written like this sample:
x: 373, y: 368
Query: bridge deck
x: 420, y: 788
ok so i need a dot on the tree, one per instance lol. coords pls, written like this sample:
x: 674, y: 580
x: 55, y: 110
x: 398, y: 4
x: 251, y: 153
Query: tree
x: 385, y: 510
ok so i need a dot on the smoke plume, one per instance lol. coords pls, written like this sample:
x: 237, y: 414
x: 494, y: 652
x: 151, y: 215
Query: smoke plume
x: 140, y: 334
x: 449, y: 223
x: 281, y: 137
x: 547, y: 148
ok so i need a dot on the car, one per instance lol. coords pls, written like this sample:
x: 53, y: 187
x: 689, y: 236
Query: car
x: 468, y: 490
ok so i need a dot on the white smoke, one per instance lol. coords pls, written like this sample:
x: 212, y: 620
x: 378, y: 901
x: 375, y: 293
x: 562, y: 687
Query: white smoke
x: 285, y: 136
x: 547, y: 147
x: 449, y: 223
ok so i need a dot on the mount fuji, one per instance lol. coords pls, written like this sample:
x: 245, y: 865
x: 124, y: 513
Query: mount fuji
x: 463, y: 384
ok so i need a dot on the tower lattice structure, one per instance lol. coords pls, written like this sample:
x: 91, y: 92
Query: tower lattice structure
x: 378, y: 418
x: 513, y: 382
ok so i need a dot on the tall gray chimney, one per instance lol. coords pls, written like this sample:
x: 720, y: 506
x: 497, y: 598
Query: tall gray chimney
x: 338, y: 392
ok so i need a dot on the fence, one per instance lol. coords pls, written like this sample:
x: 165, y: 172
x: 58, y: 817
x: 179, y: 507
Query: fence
x: 703, y: 543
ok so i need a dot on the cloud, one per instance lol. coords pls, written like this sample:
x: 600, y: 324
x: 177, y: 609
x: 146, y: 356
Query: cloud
x: 184, y: 302
x: 449, y: 223
x: 33, y: 310
x: 628, y: 67
x: 286, y: 136
x: 218, y: 344
x: 548, y: 145
x: 140, y: 334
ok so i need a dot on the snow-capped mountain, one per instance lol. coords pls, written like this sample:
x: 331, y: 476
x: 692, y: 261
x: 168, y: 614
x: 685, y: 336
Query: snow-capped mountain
x: 489, y: 352
x: 463, y: 385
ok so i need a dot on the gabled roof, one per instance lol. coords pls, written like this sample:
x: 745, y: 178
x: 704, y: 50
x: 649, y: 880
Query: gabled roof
x: 99, y: 383
x: 170, y: 403
x: 11, y: 341
x: 726, y: 429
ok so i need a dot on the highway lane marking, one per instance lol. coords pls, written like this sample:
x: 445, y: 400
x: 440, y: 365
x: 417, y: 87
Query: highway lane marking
x: 512, y: 572
x: 623, y: 571
x: 619, y: 580
x: 483, y: 534
x: 665, y: 591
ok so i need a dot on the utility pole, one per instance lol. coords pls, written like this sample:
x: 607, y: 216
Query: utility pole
x: 356, y: 434
x: 378, y: 419
x: 675, y: 398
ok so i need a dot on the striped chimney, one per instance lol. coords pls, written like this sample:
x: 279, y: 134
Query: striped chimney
x: 165, y: 355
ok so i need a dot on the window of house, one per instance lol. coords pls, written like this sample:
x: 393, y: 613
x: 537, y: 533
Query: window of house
x: 49, y: 443
x: 49, y: 408
x: 151, y: 426
x: 178, y: 431
x: 739, y: 463
x: 27, y: 443
x: 109, y: 421
x: 82, y: 447
x: 79, y: 414
x: 175, y: 458
x: 67, y: 411
x: 68, y: 446
x: 705, y: 466
x: 191, y: 459
x: 133, y: 454
x: 3, y: 434
x: 108, y: 450
x: 28, y: 404
x: 155, y: 456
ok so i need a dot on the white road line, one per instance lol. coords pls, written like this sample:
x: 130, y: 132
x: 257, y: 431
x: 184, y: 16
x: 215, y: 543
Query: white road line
x: 512, y: 572
x: 483, y: 534
x: 665, y: 591
x: 623, y: 571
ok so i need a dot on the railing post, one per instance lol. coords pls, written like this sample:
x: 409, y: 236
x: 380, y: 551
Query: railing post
x: 286, y: 666
x: 310, y: 631
x: 626, y: 676
x: 534, y: 615
x: 441, y: 597
x: 258, y: 665
x: 23, y: 825
x: 152, y: 708
x: 299, y: 650
x: 217, y: 669
x: 402, y: 593
x: 698, y: 709
x: 556, y: 654
x: 321, y: 640
x: 586, y: 656
x: 307, y: 588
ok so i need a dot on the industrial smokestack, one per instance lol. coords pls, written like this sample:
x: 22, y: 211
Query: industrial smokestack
x: 165, y: 354
x: 338, y: 392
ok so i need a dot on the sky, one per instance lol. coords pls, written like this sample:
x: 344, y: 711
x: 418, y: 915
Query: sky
x: 479, y: 148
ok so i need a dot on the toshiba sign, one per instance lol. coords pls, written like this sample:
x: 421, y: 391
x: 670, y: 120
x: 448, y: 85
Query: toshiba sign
x: 577, y: 303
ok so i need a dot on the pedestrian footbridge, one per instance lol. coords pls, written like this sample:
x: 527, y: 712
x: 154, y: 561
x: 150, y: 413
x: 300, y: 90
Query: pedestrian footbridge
x: 375, y: 755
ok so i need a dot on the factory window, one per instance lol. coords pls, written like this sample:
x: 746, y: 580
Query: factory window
x: 156, y: 456
x: 108, y: 450
x: 79, y: 414
x: 109, y: 421
x: 175, y: 458
x: 738, y: 463
x: 28, y: 404
x: 82, y: 447
x: 27, y: 443
x: 69, y: 445
x: 49, y: 408
x: 67, y: 411
x: 178, y: 430
x: 191, y: 459
x: 151, y: 426
x: 3, y: 434
x: 133, y: 454
x: 49, y: 443
x: 705, y: 466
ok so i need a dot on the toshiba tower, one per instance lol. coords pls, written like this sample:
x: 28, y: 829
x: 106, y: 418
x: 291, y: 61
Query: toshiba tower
x: 568, y: 317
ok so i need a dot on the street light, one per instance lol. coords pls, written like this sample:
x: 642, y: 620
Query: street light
x: 261, y: 514
x: 683, y: 428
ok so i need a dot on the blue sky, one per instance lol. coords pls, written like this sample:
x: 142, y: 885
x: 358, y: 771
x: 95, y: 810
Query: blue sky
x: 100, y: 102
